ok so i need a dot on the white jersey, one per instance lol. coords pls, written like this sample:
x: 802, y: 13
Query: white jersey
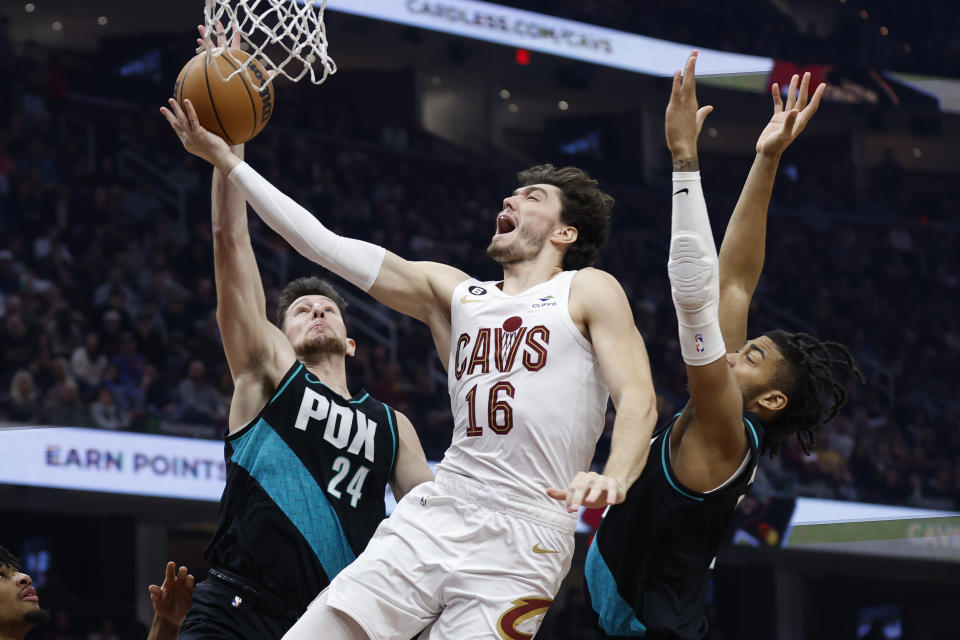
x: 525, y: 387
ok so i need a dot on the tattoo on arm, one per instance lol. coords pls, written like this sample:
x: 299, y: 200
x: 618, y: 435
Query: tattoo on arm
x: 686, y: 164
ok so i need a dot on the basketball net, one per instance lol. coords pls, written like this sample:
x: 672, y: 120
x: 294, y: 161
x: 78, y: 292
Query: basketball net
x: 286, y: 36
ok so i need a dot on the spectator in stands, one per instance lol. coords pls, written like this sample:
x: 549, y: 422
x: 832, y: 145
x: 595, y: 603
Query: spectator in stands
x: 61, y: 402
x: 149, y: 339
x: 64, y: 328
x: 115, y: 281
x: 199, y: 400
x: 61, y: 405
x: 152, y: 397
x: 123, y: 391
x: 17, y: 341
x: 24, y: 398
x: 104, y: 413
x: 129, y: 362
x: 9, y: 273
x: 88, y: 363
x: 19, y: 604
x: 118, y: 302
x: 111, y: 331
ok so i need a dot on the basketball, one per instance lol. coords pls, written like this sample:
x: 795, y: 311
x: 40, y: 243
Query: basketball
x: 234, y: 109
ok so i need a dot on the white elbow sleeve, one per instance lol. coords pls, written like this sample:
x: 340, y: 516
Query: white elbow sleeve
x: 694, y: 273
x: 355, y: 261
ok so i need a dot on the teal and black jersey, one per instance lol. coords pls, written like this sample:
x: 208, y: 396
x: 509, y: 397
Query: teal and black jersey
x: 305, y: 485
x: 649, y: 564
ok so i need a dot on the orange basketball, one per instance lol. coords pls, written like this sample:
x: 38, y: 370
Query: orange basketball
x: 234, y: 110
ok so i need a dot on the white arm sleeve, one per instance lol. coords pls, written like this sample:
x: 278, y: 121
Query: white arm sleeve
x: 355, y: 261
x: 694, y: 273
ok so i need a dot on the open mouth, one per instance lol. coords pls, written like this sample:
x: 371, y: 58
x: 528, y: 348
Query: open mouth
x: 30, y: 595
x: 505, y: 224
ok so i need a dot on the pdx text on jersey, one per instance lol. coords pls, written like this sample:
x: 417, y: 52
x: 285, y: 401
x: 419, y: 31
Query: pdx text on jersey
x: 339, y: 423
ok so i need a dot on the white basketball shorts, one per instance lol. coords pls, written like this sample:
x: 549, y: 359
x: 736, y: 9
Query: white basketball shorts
x: 460, y: 560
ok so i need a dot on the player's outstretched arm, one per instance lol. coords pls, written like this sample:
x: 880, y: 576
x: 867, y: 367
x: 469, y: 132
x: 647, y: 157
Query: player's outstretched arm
x: 171, y: 601
x: 258, y: 353
x: 411, y: 466
x: 622, y: 357
x: 251, y: 342
x: 743, y: 248
x: 419, y: 289
x: 717, y: 403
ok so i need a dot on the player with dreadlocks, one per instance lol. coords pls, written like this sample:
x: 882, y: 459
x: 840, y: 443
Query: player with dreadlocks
x: 19, y: 605
x: 649, y: 564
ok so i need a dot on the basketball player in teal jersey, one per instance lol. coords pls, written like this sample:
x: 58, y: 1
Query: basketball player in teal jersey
x: 308, y: 460
x: 648, y: 566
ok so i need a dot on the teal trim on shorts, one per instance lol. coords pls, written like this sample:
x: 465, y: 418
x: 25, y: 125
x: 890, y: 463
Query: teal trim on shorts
x: 617, y: 618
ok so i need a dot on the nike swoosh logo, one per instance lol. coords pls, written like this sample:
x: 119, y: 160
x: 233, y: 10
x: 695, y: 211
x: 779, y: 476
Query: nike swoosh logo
x: 538, y: 549
x: 684, y: 190
x: 465, y: 300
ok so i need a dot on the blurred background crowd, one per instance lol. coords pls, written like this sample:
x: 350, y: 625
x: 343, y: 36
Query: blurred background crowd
x: 107, y: 300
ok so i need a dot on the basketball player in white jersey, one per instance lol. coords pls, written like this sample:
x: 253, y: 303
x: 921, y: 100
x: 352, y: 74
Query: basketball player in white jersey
x: 531, y: 361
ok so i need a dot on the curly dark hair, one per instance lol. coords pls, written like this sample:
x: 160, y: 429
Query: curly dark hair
x: 582, y: 205
x: 806, y: 376
x: 7, y: 559
x: 308, y: 286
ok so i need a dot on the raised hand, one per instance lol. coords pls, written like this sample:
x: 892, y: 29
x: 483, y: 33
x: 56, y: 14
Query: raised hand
x: 591, y: 490
x: 791, y: 118
x: 204, y: 42
x: 172, y: 599
x: 195, y: 138
x: 684, y: 118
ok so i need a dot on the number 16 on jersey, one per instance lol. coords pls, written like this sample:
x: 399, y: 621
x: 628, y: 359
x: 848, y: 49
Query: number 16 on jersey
x: 499, y: 413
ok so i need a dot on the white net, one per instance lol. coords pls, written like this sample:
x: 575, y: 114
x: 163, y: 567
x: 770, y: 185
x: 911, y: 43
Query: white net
x: 285, y: 36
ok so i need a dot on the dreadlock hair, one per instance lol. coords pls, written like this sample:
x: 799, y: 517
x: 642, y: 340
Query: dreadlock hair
x: 582, y: 205
x: 310, y: 286
x: 7, y: 559
x: 815, y: 396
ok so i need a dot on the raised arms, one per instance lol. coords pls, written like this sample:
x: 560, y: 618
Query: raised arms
x: 257, y: 352
x: 743, y: 249
x: 418, y: 289
x: 711, y: 430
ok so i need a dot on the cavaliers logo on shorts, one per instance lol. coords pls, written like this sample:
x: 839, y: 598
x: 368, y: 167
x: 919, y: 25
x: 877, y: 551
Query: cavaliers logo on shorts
x: 521, y: 621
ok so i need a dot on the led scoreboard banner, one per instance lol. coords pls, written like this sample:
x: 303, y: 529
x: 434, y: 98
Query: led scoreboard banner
x: 548, y: 34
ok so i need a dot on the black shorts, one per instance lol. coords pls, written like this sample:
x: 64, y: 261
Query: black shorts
x: 227, y: 608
